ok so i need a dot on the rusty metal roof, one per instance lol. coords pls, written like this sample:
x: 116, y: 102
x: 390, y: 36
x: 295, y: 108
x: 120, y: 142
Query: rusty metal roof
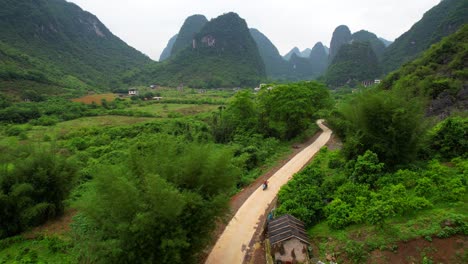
x: 286, y: 227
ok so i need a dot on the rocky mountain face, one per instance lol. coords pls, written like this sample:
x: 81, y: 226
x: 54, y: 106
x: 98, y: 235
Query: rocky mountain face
x: 442, y: 20
x: 168, y: 49
x: 62, y: 34
x: 192, y: 25
x: 341, y: 35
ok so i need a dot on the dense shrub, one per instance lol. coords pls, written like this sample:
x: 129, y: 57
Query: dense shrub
x: 32, y: 190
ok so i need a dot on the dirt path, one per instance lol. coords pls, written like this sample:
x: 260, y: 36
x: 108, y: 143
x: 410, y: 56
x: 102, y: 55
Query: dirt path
x: 232, y: 245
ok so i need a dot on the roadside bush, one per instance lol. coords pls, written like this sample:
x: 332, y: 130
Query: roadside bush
x: 449, y: 139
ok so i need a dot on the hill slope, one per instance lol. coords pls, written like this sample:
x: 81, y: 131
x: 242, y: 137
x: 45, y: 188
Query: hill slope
x: 62, y: 34
x: 442, y: 20
x: 275, y: 66
x: 440, y: 73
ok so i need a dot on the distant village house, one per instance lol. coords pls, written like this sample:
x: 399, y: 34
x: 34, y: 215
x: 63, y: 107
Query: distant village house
x: 132, y: 91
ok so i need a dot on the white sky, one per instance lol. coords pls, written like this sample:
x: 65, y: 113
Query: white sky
x: 147, y: 25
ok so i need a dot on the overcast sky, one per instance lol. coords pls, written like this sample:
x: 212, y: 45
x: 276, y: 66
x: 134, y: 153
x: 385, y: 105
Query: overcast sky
x: 147, y: 25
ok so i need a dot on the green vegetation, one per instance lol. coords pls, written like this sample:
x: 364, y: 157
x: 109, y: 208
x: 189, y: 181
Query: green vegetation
x: 33, y: 185
x: 442, y: 20
x: 146, y: 189
x: 400, y: 174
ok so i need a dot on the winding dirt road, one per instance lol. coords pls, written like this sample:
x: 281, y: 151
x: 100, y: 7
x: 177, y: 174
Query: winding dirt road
x: 232, y: 245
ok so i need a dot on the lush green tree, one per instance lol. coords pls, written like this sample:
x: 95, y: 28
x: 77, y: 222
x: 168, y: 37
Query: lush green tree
x: 162, y: 206
x: 449, y: 139
x: 287, y: 110
x: 367, y: 168
x: 385, y: 123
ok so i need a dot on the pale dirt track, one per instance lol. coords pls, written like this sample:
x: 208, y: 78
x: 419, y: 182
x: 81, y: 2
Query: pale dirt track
x: 231, y: 246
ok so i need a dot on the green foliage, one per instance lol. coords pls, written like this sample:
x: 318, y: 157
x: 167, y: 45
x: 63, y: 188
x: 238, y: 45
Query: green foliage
x: 322, y: 191
x: 34, y: 189
x: 367, y: 168
x: 286, y: 110
x: 163, y: 206
x: 383, y: 122
x: 442, y: 20
x: 449, y: 139
x: 45, y: 113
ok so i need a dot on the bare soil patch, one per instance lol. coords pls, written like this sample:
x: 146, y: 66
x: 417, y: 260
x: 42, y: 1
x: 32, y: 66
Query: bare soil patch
x: 447, y: 250
x: 96, y: 98
x: 56, y: 226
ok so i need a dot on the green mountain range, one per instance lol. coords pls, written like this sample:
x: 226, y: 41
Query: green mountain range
x: 442, y: 20
x: 222, y: 54
x: 59, y: 35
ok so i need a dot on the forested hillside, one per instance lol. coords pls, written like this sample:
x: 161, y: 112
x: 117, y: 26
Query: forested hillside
x: 354, y: 63
x: 35, y: 76
x: 222, y: 54
x: 440, y: 74
x: 63, y: 35
x: 365, y: 36
x: 442, y: 20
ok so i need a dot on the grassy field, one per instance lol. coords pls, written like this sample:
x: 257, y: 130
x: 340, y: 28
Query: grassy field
x: 164, y: 110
